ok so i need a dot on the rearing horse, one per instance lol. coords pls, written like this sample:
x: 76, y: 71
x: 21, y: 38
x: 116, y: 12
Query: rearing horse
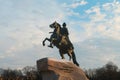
x: 64, y: 46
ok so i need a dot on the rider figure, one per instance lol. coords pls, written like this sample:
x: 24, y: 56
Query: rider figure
x: 65, y: 33
x: 64, y: 30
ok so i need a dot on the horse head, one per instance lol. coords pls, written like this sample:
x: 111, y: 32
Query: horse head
x: 54, y: 25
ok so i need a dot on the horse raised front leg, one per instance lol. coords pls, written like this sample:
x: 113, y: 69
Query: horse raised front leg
x: 45, y: 40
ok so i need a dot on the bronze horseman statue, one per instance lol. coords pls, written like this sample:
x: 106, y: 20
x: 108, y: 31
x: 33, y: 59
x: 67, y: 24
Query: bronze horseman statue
x: 60, y: 39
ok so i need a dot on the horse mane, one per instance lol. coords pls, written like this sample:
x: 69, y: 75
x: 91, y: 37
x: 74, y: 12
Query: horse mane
x: 59, y: 27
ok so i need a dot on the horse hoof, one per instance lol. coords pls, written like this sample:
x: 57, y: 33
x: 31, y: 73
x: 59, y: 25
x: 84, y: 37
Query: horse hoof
x: 43, y: 44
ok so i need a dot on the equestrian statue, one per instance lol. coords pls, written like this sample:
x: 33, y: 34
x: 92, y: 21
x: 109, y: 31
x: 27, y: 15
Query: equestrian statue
x: 60, y: 39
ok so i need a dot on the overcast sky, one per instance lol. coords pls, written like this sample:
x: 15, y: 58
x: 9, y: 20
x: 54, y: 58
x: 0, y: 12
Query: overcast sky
x: 94, y: 27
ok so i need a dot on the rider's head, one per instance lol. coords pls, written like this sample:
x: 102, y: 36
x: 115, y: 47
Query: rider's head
x: 64, y: 24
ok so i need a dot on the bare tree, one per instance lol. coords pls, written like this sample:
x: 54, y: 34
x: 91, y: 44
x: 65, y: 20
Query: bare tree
x: 108, y: 72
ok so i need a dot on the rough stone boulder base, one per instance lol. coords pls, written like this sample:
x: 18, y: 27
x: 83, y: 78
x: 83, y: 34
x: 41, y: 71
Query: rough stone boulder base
x: 53, y: 69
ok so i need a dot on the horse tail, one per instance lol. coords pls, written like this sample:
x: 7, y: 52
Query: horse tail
x: 74, y: 59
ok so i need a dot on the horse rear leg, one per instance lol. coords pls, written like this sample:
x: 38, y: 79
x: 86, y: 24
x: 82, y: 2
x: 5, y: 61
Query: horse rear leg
x: 70, y: 54
x: 61, y: 54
